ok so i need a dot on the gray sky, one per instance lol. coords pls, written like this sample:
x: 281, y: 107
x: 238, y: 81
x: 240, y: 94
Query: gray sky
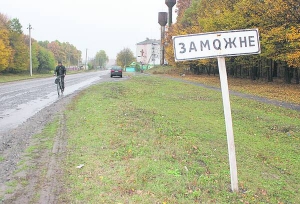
x: 108, y: 25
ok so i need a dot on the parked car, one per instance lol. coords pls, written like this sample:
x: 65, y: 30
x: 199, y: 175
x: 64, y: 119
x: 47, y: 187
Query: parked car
x: 116, y: 71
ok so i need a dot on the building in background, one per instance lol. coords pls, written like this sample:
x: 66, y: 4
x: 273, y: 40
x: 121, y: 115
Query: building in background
x: 111, y: 62
x: 148, y: 52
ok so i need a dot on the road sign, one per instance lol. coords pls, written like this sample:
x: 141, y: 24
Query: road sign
x: 216, y: 44
x: 219, y: 45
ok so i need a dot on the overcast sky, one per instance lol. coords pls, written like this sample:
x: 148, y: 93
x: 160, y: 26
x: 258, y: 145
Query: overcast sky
x: 109, y: 25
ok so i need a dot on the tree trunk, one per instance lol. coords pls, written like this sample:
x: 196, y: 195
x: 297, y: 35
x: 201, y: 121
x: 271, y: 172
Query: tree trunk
x: 254, y: 72
x: 208, y: 70
x: 231, y: 71
x: 236, y: 71
x: 275, y: 69
x: 287, y: 75
x: 297, y: 75
x: 240, y: 71
x: 270, y: 74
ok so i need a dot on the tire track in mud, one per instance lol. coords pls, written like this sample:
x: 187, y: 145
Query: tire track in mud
x: 51, y: 189
x: 43, y: 172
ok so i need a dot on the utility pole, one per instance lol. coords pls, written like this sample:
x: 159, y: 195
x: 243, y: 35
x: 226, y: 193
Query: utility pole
x: 86, y: 58
x: 30, y: 56
x: 78, y: 61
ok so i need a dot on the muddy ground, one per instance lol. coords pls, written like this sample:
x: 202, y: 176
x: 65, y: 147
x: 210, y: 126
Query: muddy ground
x: 46, y: 186
x: 41, y: 181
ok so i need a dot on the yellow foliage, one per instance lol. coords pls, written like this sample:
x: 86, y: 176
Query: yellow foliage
x: 5, y: 50
x: 277, y: 21
x: 278, y: 91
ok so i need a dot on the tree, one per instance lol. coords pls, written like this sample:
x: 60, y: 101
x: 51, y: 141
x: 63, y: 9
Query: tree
x: 3, y: 22
x: 54, y: 47
x: 101, y: 59
x: 44, y: 44
x: 15, y: 26
x: 278, y: 23
x: 20, y: 60
x: 5, y: 49
x: 125, y: 57
x: 46, y: 60
x: 35, y: 52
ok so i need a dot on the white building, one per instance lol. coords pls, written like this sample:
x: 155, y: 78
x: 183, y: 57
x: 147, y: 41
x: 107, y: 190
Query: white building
x: 148, y: 52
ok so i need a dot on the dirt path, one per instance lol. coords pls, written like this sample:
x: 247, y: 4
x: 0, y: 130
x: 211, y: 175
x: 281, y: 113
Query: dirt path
x: 287, y: 105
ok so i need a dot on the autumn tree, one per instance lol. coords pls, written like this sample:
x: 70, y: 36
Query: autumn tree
x: 101, y: 59
x: 3, y: 22
x: 278, y: 24
x: 63, y: 51
x: 5, y: 49
x: 20, y: 53
x: 14, y: 49
x: 125, y: 57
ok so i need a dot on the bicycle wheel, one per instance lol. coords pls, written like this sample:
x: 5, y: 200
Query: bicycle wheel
x: 58, y: 89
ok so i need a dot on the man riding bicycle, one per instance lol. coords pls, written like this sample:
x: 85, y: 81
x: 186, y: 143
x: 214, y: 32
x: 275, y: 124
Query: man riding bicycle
x: 60, y: 70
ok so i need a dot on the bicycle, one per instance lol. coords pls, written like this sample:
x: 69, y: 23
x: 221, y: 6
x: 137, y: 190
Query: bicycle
x: 60, y: 89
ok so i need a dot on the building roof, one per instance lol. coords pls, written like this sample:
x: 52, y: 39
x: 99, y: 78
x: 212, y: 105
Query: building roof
x: 148, y: 41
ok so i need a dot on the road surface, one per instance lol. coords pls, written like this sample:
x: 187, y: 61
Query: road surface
x: 26, y: 107
x: 21, y: 100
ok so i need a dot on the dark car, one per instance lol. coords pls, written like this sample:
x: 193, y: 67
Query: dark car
x: 116, y: 71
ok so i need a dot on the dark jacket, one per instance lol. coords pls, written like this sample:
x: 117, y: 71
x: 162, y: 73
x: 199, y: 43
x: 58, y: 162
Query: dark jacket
x: 60, y: 70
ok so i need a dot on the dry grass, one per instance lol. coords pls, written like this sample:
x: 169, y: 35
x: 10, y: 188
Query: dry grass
x: 273, y: 90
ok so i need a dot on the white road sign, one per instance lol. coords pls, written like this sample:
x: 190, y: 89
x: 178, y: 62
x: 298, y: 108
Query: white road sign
x: 216, y: 44
x: 219, y: 45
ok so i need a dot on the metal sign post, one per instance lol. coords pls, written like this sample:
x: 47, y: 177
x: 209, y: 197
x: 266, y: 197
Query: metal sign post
x: 219, y: 45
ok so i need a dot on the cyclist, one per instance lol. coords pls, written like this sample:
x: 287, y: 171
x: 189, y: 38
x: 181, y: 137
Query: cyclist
x: 60, y: 70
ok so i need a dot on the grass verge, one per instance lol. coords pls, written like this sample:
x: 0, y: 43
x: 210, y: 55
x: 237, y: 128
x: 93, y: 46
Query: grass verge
x: 277, y: 90
x: 154, y: 140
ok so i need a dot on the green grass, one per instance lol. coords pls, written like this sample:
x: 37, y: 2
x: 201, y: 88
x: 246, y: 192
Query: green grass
x: 153, y: 140
x: 11, y: 186
x: 1, y: 158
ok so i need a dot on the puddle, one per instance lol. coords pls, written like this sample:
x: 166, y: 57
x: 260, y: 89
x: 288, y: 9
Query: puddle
x: 12, y: 118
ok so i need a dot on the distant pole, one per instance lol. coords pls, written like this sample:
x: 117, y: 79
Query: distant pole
x: 86, y: 58
x: 30, y: 55
x: 78, y: 62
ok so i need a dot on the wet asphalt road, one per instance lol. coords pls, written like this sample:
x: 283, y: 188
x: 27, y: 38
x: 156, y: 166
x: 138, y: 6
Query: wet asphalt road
x: 21, y: 100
